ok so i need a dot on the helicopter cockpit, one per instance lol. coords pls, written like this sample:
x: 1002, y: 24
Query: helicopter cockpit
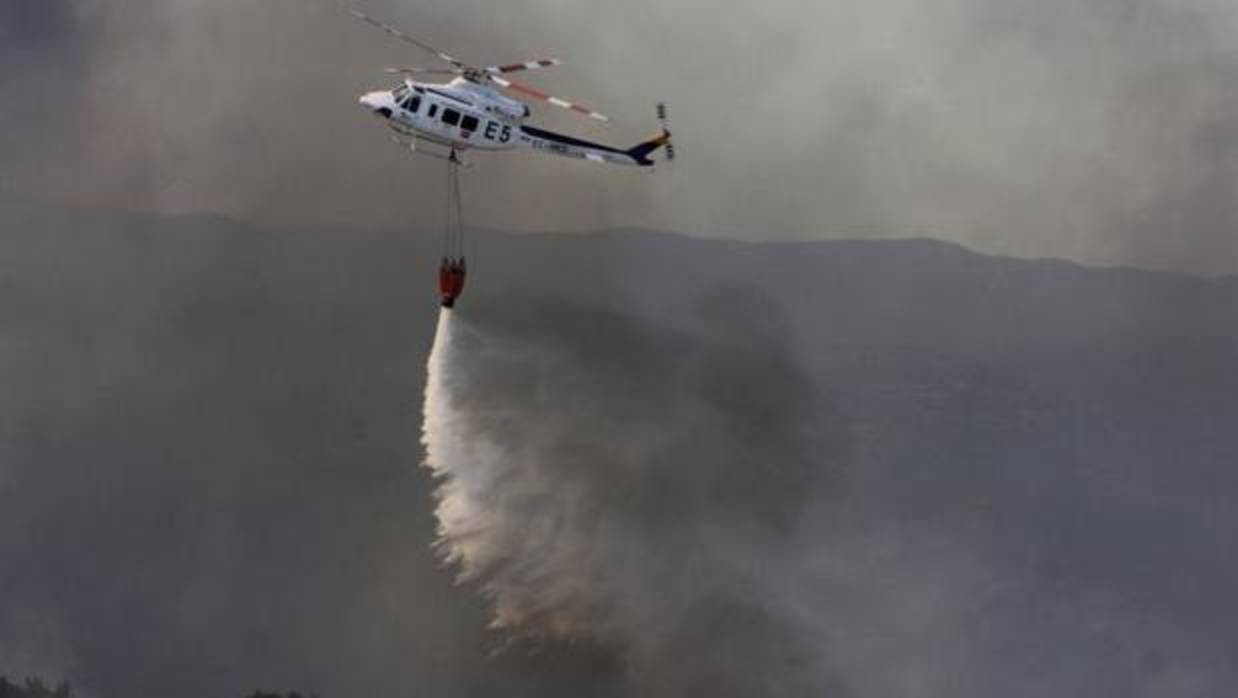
x: 407, y: 99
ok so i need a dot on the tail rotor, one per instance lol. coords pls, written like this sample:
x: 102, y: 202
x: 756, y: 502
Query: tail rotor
x: 666, y: 131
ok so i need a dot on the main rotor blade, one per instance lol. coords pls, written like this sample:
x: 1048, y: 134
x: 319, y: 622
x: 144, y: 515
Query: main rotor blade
x: 558, y: 102
x: 424, y: 71
x: 529, y: 65
x: 405, y: 37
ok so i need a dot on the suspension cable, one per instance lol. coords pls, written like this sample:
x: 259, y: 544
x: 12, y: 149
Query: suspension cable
x: 453, y: 231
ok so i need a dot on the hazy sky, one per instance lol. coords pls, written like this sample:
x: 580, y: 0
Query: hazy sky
x: 1101, y: 130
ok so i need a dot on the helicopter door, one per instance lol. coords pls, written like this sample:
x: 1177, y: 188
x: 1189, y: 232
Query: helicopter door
x: 408, y: 108
x: 428, y: 116
x: 468, y: 126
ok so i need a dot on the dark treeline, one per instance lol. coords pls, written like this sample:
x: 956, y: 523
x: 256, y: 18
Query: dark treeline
x: 34, y: 687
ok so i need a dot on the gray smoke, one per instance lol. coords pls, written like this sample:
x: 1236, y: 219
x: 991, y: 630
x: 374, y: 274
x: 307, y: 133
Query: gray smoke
x: 700, y: 507
x: 841, y: 468
x: 1099, y: 131
x: 638, y: 489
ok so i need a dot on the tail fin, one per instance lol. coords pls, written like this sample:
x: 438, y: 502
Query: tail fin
x: 640, y: 153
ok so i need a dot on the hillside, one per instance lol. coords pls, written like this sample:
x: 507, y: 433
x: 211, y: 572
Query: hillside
x: 208, y: 435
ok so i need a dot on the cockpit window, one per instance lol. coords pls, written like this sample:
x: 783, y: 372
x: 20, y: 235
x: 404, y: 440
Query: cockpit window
x: 400, y: 92
x: 412, y: 104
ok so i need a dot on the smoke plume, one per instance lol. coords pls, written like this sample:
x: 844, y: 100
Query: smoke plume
x: 593, y: 498
x: 852, y: 470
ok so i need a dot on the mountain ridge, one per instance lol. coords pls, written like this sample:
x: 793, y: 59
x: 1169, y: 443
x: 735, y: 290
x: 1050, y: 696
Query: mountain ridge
x: 927, y: 242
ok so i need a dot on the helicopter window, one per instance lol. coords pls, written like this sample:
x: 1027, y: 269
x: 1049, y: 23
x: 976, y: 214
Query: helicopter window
x: 399, y: 92
x: 433, y: 110
x: 451, y: 117
x: 469, y: 123
x: 412, y: 104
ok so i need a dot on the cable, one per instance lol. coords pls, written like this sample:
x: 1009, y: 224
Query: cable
x: 453, y: 231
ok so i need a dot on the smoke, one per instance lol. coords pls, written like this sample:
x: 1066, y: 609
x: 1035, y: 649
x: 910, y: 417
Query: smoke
x: 697, y: 505
x: 640, y: 508
x: 828, y: 469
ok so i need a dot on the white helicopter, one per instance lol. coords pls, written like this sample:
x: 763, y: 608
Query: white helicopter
x: 470, y: 112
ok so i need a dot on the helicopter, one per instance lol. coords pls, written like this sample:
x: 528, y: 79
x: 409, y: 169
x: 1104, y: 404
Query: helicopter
x: 470, y: 112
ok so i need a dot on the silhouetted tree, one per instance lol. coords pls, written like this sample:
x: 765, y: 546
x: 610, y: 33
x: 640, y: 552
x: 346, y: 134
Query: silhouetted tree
x: 33, y: 687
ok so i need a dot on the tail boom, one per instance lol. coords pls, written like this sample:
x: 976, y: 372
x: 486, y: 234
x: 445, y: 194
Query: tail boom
x: 572, y: 147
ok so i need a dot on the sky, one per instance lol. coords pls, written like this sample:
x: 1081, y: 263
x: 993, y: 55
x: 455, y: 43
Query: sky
x: 1098, y: 131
